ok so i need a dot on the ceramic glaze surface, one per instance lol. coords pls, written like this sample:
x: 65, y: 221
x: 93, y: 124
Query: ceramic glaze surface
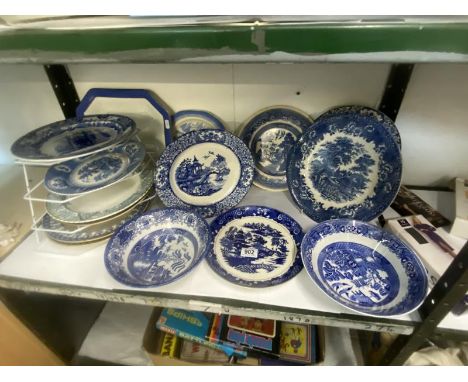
x: 192, y: 120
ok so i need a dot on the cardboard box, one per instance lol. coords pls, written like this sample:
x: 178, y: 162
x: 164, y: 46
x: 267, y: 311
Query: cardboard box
x: 460, y: 224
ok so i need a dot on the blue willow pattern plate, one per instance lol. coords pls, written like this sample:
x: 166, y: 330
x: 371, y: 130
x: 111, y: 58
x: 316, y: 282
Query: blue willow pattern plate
x: 193, y: 120
x: 256, y: 246
x: 364, y: 268
x: 208, y: 171
x: 270, y: 134
x: 74, y: 137
x: 345, y: 166
x: 158, y: 247
x: 93, y: 172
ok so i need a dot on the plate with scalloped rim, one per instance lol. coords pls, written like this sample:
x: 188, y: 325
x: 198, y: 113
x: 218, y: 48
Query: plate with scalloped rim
x: 344, y: 166
x: 208, y: 171
x: 364, y: 268
x: 158, y: 247
x: 270, y: 134
x: 193, y: 120
x: 73, y: 138
x: 104, y: 203
x: 96, y: 171
x: 256, y: 246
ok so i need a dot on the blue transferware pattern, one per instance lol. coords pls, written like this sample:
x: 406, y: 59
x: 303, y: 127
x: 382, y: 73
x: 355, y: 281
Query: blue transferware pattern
x: 205, y: 185
x: 74, y: 137
x: 158, y: 247
x: 90, y: 173
x: 364, y: 268
x: 380, y: 117
x: 256, y: 246
x: 193, y: 120
x: 344, y: 166
x: 270, y: 134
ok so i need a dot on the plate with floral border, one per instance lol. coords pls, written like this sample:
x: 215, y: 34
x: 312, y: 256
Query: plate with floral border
x: 270, y: 134
x: 344, y: 166
x: 208, y: 171
x: 192, y: 120
x: 364, y: 268
x: 73, y: 138
x: 158, y: 247
x: 256, y: 246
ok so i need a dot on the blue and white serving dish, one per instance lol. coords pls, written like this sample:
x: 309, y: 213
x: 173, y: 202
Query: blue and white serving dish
x: 193, y: 120
x: 256, y: 246
x: 270, y: 134
x: 158, y: 247
x: 208, y: 171
x: 73, y: 138
x: 94, y: 172
x: 344, y: 166
x: 364, y: 268
x: 104, y: 203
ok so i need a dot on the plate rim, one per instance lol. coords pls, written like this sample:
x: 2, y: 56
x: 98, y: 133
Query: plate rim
x: 208, y: 115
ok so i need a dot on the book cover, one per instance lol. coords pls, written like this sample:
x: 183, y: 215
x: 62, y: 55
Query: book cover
x: 297, y: 343
x: 195, y: 352
x: 170, y: 345
x: 262, y: 327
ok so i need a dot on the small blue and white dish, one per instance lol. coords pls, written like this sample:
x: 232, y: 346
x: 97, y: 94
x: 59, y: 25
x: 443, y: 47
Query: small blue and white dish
x: 364, y: 268
x: 270, y: 134
x: 344, y: 166
x: 208, y: 171
x: 158, y: 247
x: 193, y: 120
x: 94, y: 172
x: 256, y: 246
x: 73, y: 138
x: 380, y: 117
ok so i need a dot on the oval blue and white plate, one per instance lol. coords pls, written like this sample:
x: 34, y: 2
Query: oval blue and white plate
x: 208, y: 171
x: 158, y: 247
x: 73, y: 138
x: 380, y: 117
x: 94, y: 172
x: 193, y: 120
x: 364, y: 268
x: 270, y: 134
x: 345, y: 166
x: 256, y: 246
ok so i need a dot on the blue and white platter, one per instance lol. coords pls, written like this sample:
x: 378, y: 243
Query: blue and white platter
x: 158, y: 247
x: 270, y: 134
x: 208, y: 171
x: 193, y: 120
x: 96, y: 171
x: 92, y: 232
x: 104, y: 203
x: 380, y: 117
x: 344, y: 166
x: 256, y: 246
x: 73, y: 138
x: 364, y: 268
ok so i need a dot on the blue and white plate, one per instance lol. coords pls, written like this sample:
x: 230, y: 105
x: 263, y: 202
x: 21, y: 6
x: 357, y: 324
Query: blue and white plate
x: 73, y: 138
x: 104, y: 203
x: 380, y: 117
x: 256, y: 246
x: 270, y: 134
x: 344, y: 166
x: 93, y: 172
x: 209, y: 171
x: 364, y: 268
x: 92, y: 232
x: 193, y: 120
x: 158, y: 247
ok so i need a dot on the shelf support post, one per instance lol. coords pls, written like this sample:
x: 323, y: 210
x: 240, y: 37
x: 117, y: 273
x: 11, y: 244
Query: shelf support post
x: 64, y: 89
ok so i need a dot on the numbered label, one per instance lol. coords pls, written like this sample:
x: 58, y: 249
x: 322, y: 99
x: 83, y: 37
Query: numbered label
x: 249, y: 252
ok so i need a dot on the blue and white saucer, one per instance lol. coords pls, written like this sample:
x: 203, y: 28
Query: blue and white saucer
x: 344, y: 166
x: 208, y: 171
x: 364, y: 268
x: 256, y: 246
x: 73, y: 138
x: 193, y: 120
x: 270, y: 134
x: 94, y: 172
x: 158, y: 247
